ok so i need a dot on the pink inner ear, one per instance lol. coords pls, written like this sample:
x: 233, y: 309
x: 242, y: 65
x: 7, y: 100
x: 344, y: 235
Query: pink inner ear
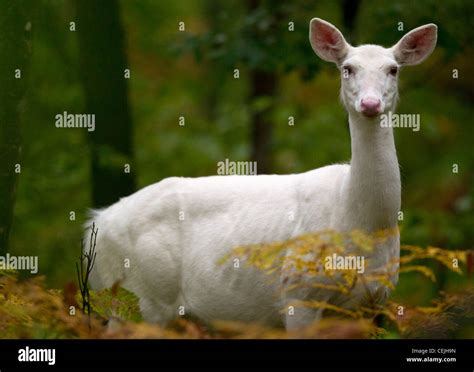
x: 327, y: 41
x: 418, y: 40
x: 327, y: 36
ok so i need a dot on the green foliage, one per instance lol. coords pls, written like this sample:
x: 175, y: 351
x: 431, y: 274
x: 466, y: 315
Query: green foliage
x: 116, y: 302
x: 29, y: 310
x: 303, y: 263
x: 270, y: 37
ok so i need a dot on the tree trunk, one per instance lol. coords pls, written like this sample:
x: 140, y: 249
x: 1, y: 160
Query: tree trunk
x: 214, y: 75
x: 263, y: 85
x: 350, y: 9
x: 14, y: 52
x: 102, y: 63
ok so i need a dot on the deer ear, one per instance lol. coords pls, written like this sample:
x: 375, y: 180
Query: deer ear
x: 417, y: 45
x: 327, y: 41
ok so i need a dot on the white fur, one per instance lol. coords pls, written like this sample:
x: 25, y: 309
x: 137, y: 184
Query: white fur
x: 173, y: 261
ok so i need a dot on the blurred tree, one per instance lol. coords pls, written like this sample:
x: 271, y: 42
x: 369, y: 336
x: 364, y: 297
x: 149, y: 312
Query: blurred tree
x: 214, y: 75
x: 103, y: 63
x: 14, y: 35
x: 267, y: 38
x: 349, y: 15
x: 262, y: 87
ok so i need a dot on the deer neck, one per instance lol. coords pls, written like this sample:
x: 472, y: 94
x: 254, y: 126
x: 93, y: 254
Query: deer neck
x: 373, y: 189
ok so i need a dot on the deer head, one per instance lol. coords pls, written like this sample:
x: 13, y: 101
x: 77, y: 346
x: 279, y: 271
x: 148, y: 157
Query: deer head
x: 369, y: 73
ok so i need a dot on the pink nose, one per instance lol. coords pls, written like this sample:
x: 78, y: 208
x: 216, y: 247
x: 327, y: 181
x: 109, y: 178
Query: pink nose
x: 370, y: 106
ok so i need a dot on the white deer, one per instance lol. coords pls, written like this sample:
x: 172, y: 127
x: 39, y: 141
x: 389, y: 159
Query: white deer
x: 165, y: 241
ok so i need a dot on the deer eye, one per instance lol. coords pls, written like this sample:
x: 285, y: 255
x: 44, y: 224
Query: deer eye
x: 347, y: 70
x: 393, y: 70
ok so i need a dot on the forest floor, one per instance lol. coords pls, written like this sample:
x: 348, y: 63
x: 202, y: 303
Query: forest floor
x: 29, y: 310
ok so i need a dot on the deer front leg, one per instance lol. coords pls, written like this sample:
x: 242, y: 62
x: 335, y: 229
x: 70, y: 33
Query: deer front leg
x: 297, y: 317
x: 296, y: 289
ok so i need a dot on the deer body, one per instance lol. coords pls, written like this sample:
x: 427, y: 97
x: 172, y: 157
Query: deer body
x: 174, y: 233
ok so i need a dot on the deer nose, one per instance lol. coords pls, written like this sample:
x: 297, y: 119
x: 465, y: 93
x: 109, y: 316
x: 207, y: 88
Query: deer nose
x: 370, y: 106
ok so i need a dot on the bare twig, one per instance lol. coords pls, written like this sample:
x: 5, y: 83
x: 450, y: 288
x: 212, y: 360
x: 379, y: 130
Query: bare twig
x: 84, y: 269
